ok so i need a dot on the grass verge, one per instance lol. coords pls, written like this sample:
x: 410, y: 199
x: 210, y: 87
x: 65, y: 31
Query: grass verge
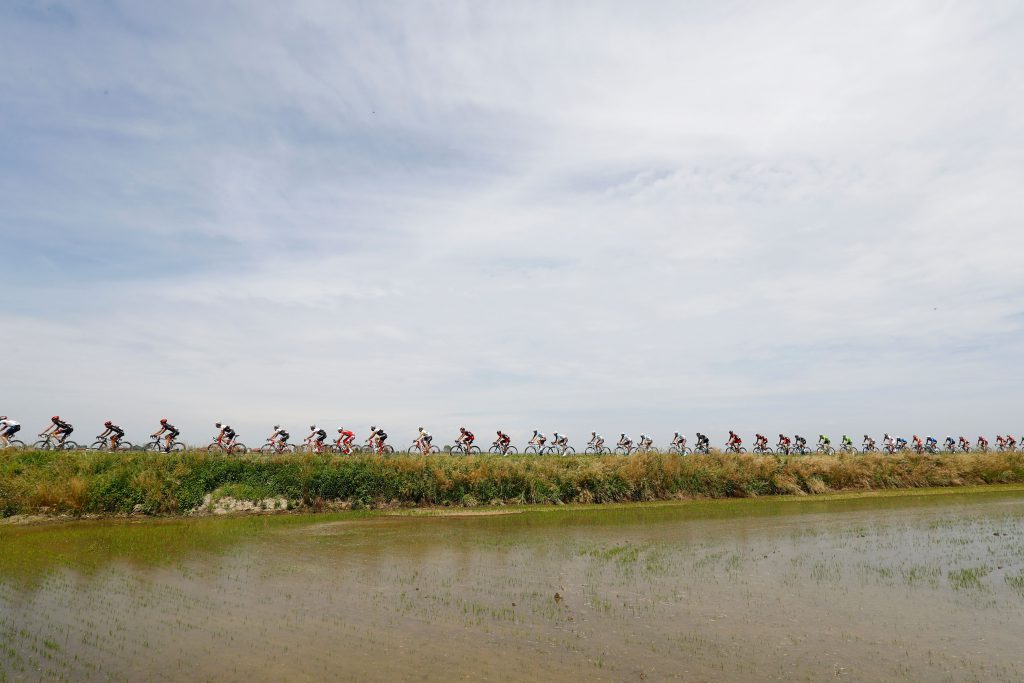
x: 77, y: 483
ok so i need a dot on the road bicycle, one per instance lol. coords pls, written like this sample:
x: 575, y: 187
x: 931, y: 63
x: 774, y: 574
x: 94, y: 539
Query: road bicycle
x: 51, y: 443
x: 931, y: 449
x: 534, y: 449
x: 825, y: 449
x: 463, y: 449
x: 763, y: 450
x: 498, y: 448
x: 231, y: 447
x: 374, y: 447
x: 626, y: 449
x: 848, y: 448
x: 423, y: 448
x: 982, y: 446
x: 159, y: 445
x: 647, y: 449
x: 702, y: 448
x: 734, y: 449
x: 560, y: 449
x: 102, y: 443
x: 868, y: 447
x: 274, y: 447
x: 782, y: 448
x: 595, y: 450
x: 13, y: 444
x: 801, y: 449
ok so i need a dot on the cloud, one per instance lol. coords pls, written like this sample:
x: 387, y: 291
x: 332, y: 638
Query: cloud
x: 571, y: 216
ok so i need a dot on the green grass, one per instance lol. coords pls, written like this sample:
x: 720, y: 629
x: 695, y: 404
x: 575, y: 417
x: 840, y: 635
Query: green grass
x: 77, y: 483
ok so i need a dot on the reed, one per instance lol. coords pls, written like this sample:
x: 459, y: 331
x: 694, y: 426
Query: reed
x: 78, y: 482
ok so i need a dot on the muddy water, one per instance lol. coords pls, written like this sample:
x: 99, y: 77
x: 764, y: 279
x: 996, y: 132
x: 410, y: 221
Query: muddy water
x: 907, y: 588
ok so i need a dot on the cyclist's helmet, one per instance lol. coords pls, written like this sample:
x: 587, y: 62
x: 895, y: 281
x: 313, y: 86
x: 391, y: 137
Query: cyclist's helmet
x: 421, y: 429
x: 163, y: 420
x: 107, y: 423
x: 217, y: 425
x: 462, y: 429
x: 312, y: 428
x: 341, y: 429
x: 276, y: 427
x: 55, y: 418
x: 622, y: 434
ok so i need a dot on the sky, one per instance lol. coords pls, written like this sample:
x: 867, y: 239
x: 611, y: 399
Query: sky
x: 566, y: 216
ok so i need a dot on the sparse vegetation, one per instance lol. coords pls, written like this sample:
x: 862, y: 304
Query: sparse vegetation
x: 33, y: 482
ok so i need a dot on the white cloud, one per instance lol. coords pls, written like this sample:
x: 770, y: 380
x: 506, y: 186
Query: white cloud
x: 563, y: 215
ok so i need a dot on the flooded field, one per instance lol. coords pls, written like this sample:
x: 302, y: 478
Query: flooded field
x: 907, y: 588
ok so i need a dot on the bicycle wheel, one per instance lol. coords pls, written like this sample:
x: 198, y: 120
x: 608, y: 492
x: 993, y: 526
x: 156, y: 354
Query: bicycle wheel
x: 177, y: 447
x: 239, y: 448
x: 124, y: 446
x: 621, y: 450
x: 457, y: 450
x: 42, y: 445
x: 388, y: 450
x: 99, y: 445
x: 569, y: 450
x: 511, y: 450
x: 214, y: 448
x: 530, y: 450
x: 16, y: 444
x: 70, y: 446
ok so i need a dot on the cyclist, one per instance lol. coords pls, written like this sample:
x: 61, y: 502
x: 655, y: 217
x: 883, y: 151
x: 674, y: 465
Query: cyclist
x: 424, y: 439
x: 170, y: 431
x: 645, y: 442
x: 561, y: 441
x: 847, y: 442
x: 1011, y: 443
x: 538, y: 440
x: 761, y: 442
x: 918, y: 445
x: 949, y: 444
x: 801, y: 443
x: 226, y: 436
x: 344, y: 440
x: 597, y: 441
x: 930, y: 444
x: 703, y: 443
x: 869, y: 443
x: 465, y: 439
x: 824, y: 441
x: 379, y: 437
x: 8, y: 428
x: 965, y: 445
x: 503, y: 441
x: 982, y: 443
x: 114, y: 432
x: 625, y: 442
x: 316, y: 438
x: 901, y: 443
x: 58, y: 427
x: 784, y: 444
x: 734, y: 441
x: 679, y: 441
x: 280, y: 437
x: 888, y: 443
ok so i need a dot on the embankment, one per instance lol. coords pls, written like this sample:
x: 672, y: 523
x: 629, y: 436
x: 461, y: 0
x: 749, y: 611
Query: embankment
x: 87, y: 483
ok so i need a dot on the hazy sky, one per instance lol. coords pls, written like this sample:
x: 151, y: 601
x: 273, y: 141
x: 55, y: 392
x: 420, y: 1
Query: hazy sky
x: 639, y: 216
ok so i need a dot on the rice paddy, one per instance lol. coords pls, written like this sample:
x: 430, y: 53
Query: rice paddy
x: 868, y: 588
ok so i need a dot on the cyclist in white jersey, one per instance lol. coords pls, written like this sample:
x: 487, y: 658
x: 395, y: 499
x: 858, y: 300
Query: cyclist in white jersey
x: 8, y: 428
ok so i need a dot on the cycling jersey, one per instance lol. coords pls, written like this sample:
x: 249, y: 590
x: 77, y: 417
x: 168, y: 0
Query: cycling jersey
x: 228, y: 431
x: 116, y: 430
x: 168, y: 427
x: 381, y: 435
x: 8, y: 427
x: 283, y: 435
x: 320, y: 434
x: 63, y: 426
